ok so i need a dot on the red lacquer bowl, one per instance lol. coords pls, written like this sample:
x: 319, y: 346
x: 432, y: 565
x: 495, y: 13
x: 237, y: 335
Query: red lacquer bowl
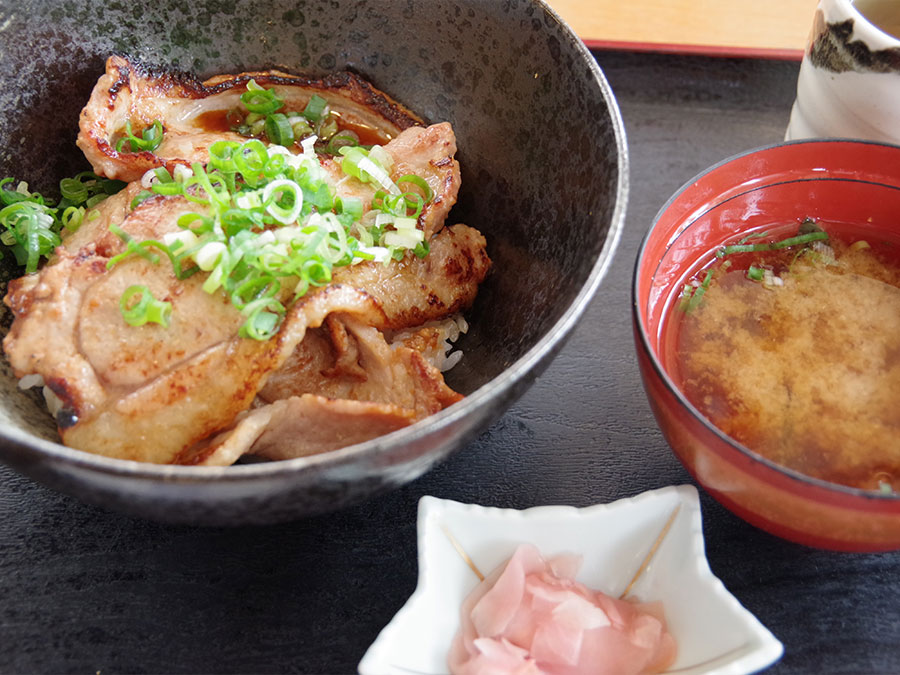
x: 857, y: 183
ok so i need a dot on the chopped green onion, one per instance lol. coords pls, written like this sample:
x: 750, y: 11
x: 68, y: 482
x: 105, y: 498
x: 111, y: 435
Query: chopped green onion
x: 327, y: 127
x: 278, y: 130
x: 73, y: 190
x: 250, y: 160
x: 259, y: 100
x: 691, y: 296
x: 755, y: 273
x: 162, y: 175
x: 277, y: 191
x: 301, y: 127
x: 72, y: 217
x: 341, y: 139
x: 139, y: 198
x: 420, y: 183
x: 315, y: 108
x: 773, y: 246
x: 149, y: 141
x: 131, y: 247
x: 220, y: 155
x: 263, y: 318
x: 269, y: 215
x: 168, y: 189
x: 146, y: 309
x: 351, y: 206
x: 422, y: 249
x: 753, y: 235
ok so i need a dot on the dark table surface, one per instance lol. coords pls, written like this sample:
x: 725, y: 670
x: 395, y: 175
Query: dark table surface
x: 83, y: 590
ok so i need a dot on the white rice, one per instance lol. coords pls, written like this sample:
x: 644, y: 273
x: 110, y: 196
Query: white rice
x: 442, y: 356
x: 54, y: 402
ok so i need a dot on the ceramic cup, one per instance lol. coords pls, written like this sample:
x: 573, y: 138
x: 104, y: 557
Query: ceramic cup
x: 849, y: 83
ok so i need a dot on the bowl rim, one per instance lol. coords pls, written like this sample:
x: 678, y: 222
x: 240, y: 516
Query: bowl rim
x: 877, y: 35
x: 643, y: 341
x: 31, y: 446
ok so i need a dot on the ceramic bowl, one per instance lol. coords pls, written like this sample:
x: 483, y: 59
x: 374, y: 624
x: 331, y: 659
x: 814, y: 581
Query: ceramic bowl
x: 847, y: 86
x: 544, y: 169
x: 713, y: 631
x: 840, y: 181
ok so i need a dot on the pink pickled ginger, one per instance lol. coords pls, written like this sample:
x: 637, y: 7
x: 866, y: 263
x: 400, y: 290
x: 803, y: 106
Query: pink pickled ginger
x: 530, y: 617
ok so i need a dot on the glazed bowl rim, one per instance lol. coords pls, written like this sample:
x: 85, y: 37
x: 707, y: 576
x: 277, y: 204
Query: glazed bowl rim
x: 642, y: 333
x: 43, y: 449
x: 877, y: 31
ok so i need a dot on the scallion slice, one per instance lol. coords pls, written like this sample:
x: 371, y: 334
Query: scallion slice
x: 73, y: 190
x: 138, y: 307
x: 315, y: 108
x: 270, y: 219
x: 691, y: 296
x: 150, y: 139
x: 773, y: 246
x: 279, y: 130
x: 342, y: 139
x: 259, y: 100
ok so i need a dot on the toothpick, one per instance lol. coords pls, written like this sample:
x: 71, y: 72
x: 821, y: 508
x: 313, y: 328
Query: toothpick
x: 462, y: 553
x: 651, y: 553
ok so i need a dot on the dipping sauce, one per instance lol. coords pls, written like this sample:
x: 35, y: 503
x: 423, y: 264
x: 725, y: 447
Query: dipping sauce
x: 801, y: 362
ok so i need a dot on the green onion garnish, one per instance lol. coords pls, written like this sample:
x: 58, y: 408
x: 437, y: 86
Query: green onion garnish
x: 31, y: 224
x: 73, y: 190
x: 272, y: 226
x: 772, y: 246
x: 259, y: 100
x: 279, y: 130
x: 755, y: 273
x: 419, y: 182
x: 315, y: 108
x: 149, y: 141
x: 138, y: 306
x: 342, y: 139
x: 691, y: 296
x: 141, y: 196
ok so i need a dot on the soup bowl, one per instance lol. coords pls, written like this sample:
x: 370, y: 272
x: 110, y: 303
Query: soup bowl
x: 850, y: 182
x: 520, y: 90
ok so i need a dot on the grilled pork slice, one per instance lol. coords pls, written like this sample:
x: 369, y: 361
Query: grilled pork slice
x: 193, y: 113
x: 427, y: 152
x: 206, y: 391
x: 187, y: 108
x: 353, y: 361
x: 150, y: 393
x: 301, y: 426
x: 386, y: 389
x: 414, y: 291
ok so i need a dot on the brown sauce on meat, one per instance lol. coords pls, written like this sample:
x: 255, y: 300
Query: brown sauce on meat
x: 217, y: 120
x: 227, y: 120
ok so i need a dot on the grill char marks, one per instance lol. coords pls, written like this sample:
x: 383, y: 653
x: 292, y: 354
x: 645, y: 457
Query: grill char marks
x: 132, y: 92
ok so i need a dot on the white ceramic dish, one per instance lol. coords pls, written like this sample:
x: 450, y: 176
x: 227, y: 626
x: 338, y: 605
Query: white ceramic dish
x: 715, y: 634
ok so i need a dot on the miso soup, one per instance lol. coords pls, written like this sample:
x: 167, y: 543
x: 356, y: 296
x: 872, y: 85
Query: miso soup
x: 793, y: 350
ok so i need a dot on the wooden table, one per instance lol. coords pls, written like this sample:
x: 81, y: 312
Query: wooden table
x: 84, y: 590
x: 762, y: 28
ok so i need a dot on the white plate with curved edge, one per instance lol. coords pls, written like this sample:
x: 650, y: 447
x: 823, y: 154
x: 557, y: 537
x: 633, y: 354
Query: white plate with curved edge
x: 714, y: 633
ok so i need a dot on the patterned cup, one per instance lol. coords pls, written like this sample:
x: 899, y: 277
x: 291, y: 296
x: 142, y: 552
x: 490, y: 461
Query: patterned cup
x: 849, y: 83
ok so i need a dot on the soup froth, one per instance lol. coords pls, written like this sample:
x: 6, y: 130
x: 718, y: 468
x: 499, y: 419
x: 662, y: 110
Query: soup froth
x: 801, y: 362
